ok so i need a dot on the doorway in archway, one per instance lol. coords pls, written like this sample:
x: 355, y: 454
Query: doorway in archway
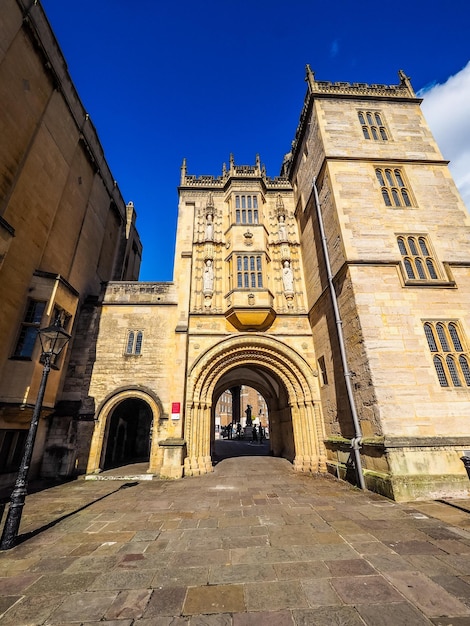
x: 241, y: 424
x: 129, y: 434
x: 245, y: 398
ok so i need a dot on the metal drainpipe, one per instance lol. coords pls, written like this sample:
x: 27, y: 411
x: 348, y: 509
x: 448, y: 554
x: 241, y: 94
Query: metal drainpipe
x: 355, y: 441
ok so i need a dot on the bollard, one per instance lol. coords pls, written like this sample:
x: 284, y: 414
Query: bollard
x: 466, y: 461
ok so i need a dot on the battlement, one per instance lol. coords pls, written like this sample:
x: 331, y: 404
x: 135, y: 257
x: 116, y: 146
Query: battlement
x: 322, y: 87
x: 233, y: 171
x: 120, y: 292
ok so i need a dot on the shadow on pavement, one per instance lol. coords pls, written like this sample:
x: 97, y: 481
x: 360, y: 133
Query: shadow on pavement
x: 230, y: 448
x: 25, y: 536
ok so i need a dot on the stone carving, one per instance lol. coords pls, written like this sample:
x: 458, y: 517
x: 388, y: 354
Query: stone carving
x: 209, y: 227
x: 208, y: 278
x: 288, y: 278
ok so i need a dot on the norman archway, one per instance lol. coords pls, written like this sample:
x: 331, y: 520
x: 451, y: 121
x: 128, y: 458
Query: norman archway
x: 100, y: 452
x: 276, y: 364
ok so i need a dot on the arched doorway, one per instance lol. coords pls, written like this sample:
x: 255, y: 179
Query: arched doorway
x: 128, y: 439
x: 126, y: 431
x: 241, y: 422
x: 284, y: 379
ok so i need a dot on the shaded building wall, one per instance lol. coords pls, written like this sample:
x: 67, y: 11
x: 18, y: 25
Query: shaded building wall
x: 64, y: 227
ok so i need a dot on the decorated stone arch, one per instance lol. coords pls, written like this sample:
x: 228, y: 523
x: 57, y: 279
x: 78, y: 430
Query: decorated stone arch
x: 288, y: 384
x: 106, y: 441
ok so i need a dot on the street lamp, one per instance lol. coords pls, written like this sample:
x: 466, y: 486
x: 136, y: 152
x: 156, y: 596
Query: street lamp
x: 53, y: 340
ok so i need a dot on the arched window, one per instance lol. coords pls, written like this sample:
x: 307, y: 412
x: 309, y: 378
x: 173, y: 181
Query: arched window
x: 430, y: 337
x: 442, y: 337
x: 134, y: 342
x: 138, y: 343
x: 420, y: 269
x: 130, y: 342
x: 372, y: 125
x: 411, y: 248
x: 451, y: 364
x: 465, y: 369
x: 393, y: 182
x: 453, y: 372
x: 441, y: 375
x: 412, y: 245
x: 422, y: 245
x: 431, y: 270
x: 409, y: 269
x: 401, y: 246
x: 386, y: 197
x: 455, y: 338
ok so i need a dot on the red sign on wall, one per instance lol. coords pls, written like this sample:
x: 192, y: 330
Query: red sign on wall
x: 175, y: 407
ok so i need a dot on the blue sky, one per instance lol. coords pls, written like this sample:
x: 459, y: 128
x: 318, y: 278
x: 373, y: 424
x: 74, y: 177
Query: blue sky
x: 167, y: 80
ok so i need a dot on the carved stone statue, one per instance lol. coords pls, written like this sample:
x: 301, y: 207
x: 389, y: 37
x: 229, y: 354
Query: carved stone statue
x: 208, y: 279
x: 209, y: 227
x: 288, y: 277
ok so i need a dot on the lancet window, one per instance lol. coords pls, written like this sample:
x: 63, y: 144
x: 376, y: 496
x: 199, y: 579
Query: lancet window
x: 451, y: 361
x: 393, y: 186
x: 416, y: 258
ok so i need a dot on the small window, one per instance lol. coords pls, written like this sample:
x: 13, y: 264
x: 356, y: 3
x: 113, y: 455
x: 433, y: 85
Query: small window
x: 246, y: 209
x: 322, y: 368
x: 416, y: 258
x: 29, y: 329
x: 249, y: 272
x: 393, y: 186
x: 134, y: 343
x: 451, y: 365
x: 372, y: 125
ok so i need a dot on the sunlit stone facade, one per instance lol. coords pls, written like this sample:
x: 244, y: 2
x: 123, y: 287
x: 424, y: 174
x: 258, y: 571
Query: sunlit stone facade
x: 384, y: 367
x: 338, y: 290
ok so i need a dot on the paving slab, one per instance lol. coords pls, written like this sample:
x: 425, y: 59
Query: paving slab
x: 252, y: 543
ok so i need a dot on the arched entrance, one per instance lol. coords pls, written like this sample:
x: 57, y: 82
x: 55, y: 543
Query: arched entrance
x: 128, y: 439
x: 124, y: 431
x: 284, y: 379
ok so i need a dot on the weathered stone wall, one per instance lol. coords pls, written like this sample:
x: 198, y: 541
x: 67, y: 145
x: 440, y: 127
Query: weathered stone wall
x: 63, y: 218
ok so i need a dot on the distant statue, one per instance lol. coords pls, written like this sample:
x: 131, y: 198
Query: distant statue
x: 248, y: 415
x: 288, y: 277
x: 209, y: 227
x: 282, y: 228
x: 208, y: 279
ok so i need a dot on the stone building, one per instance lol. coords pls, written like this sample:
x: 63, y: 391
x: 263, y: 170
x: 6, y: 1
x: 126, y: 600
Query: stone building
x: 339, y: 291
x: 64, y: 229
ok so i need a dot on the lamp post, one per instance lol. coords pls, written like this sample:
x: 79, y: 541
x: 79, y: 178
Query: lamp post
x: 53, y: 340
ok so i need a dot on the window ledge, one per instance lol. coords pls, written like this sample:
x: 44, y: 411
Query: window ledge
x: 429, y: 283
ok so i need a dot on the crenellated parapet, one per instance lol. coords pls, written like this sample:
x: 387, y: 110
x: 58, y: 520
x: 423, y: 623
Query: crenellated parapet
x: 231, y: 172
x: 322, y: 87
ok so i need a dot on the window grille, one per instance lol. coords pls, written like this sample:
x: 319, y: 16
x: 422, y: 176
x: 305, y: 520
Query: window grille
x: 450, y: 360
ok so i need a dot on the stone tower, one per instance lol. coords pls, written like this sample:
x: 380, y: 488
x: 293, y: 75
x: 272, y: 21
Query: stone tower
x: 339, y: 291
x: 242, y: 303
x: 371, y: 185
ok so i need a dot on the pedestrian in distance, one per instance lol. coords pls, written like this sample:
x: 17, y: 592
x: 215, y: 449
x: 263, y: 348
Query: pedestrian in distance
x: 254, y: 434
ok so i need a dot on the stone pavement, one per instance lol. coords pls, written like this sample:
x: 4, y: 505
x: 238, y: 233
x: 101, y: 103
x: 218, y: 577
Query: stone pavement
x: 251, y: 544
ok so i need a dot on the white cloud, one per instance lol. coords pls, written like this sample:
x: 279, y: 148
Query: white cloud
x: 447, y: 111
